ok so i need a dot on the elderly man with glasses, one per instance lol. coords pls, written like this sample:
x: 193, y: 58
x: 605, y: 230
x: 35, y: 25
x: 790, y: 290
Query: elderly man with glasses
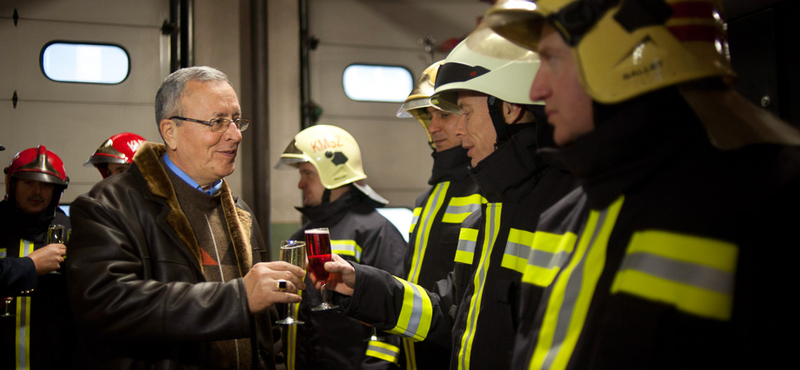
x: 165, y: 267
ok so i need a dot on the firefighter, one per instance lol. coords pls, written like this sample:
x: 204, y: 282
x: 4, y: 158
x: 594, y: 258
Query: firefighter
x: 40, y: 333
x: 679, y: 241
x: 336, y: 197
x: 486, y: 80
x: 115, y: 155
x: 439, y: 211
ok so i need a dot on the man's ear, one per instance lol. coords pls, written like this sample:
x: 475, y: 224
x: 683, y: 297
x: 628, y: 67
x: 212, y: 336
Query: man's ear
x: 512, y: 113
x: 168, y: 129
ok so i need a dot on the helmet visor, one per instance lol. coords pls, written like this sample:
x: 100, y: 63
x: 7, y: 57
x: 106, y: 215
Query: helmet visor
x: 291, y: 158
x: 517, y: 21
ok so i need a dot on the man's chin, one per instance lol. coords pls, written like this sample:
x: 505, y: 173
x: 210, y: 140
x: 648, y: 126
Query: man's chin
x: 33, y: 210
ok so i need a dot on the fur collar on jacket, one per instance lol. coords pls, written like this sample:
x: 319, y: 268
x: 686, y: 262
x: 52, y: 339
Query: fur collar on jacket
x: 148, y: 160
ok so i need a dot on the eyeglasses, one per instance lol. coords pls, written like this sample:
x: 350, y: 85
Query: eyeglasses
x: 218, y: 124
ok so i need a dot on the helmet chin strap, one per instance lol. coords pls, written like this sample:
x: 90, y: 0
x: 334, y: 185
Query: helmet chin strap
x: 496, y: 113
x: 326, y: 196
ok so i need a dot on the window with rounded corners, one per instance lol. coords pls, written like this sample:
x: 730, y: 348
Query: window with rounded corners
x: 378, y: 83
x: 68, y: 61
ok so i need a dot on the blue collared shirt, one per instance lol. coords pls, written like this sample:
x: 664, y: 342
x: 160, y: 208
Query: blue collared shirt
x: 211, y: 191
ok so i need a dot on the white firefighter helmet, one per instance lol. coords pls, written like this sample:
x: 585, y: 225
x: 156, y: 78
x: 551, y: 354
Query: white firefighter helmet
x: 487, y: 63
x: 334, y: 153
x: 417, y: 103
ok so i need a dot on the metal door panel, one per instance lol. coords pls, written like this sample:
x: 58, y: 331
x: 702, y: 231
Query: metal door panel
x: 73, y: 119
x: 26, y: 76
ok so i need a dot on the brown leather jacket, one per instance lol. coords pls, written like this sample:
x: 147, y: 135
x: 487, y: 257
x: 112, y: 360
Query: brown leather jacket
x: 136, y: 283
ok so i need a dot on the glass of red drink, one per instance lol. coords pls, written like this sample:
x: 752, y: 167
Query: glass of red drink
x: 318, y: 250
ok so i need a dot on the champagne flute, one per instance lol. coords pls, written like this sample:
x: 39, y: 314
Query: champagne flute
x: 55, y: 235
x: 318, y: 246
x: 294, y: 252
x: 7, y: 302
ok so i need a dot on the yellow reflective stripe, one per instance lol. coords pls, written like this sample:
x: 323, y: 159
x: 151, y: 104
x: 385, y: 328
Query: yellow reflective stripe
x: 414, y: 218
x: 693, y: 249
x: 460, y: 207
x: 432, y: 206
x: 383, y: 351
x: 346, y: 248
x: 693, y: 273
x: 3, y: 252
x: 465, y: 250
x: 491, y: 230
x: 415, y: 316
x: 518, y: 247
x: 411, y: 356
x: 548, y: 254
x: 570, y: 298
x: 23, y: 318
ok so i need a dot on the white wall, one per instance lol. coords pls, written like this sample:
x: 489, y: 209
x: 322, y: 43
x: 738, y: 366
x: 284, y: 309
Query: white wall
x: 73, y: 119
x: 396, y: 154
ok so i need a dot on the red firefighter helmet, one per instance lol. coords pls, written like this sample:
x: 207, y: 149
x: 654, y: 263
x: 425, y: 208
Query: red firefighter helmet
x: 38, y: 164
x: 119, y: 148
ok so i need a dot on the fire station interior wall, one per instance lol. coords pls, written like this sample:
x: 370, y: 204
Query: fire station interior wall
x: 395, y: 152
x: 73, y: 119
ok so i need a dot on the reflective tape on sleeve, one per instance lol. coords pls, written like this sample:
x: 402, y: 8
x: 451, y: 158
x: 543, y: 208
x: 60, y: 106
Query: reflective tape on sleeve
x: 465, y: 250
x: 346, y: 248
x: 695, y: 274
x: 548, y: 255
x: 518, y: 247
x: 415, y: 317
x: 383, y: 351
x: 414, y: 219
x: 460, y: 207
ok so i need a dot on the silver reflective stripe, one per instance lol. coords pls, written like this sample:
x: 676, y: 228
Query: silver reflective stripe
x: 414, y: 219
x: 458, y: 210
x: 385, y: 351
x: 466, y: 245
x: 679, y: 271
x: 416, y: 311
x: 540, y: 258
x: 341, y: 247
x: 571, y: 293
x: 517, y: 250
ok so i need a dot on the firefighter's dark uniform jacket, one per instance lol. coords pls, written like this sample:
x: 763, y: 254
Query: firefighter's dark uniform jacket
x: 41, y: 334
x: 330, y: 340
x: 136, y: 281
x: 673, y: 249
x: 438, y: 215
x: 475, y: 308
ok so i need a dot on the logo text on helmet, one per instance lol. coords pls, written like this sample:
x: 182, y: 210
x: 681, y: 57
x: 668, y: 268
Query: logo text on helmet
x: 134, y: 145
x: 645, y: 69
x: 326, y: 143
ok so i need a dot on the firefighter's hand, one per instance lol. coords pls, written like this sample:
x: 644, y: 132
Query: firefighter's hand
x: 342, y: 278
x: 268, y: 283
x: 48, y: 258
